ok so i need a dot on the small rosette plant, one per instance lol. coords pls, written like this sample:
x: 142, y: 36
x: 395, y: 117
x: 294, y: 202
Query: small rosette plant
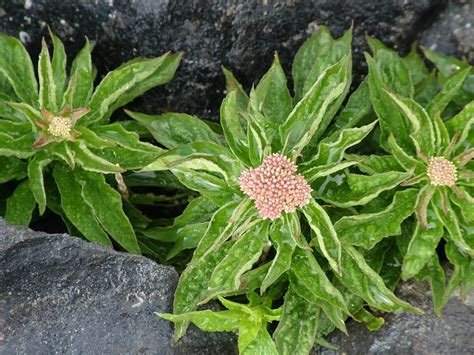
x: 257, y: 226
x: 426, y: 128
x: 57, y: 140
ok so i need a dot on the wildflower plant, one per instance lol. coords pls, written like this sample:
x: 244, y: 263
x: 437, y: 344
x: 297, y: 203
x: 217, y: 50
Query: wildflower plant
x: 426, y: 128
x: 264, y: 231
x: 56, y: 138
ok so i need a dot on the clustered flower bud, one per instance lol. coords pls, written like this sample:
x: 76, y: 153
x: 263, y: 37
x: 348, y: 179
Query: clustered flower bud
x: 441, y: 172
x: 275, y: 186
x: 60, y: 127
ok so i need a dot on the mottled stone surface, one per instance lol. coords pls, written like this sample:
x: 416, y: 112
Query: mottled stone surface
x: 453, y: 31
x: 59, y: 294
x: 413, y: 333
x: 240, y: 34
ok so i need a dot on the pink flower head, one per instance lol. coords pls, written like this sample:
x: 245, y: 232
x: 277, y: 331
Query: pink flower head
x: 275, y: 186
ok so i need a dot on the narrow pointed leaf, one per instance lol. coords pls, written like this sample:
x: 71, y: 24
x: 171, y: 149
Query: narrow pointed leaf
x: 20, y: 205
x: 35, y: 176
x: 91, y: 162
x: 434, y: 272
x: 374, y: 164
x: 173, y: 129
x: 47, y: 86
x: 81, y: 81
x: 207, y: 320
x: 77, y: 211
x: 366, y: 230
x: 106, y: 204
x: 58, y: 65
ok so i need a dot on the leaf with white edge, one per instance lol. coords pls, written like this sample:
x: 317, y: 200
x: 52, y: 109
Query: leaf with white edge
x: 199, y: 210
x: 296, y: 330
x: 422, y: 246
x: 20, y: 205
x: 15, y: 129
x: 434, y: 272
x: 106, y: 204
x: 326, y: 236
x: 320, y: 171
x: 173, y: 129
x: 261, y: 344
x: 463, y: 123
x: 16, y: 147
x: 125, y: 83
x: 258, y: 141
x: 311, y: 116
x: 449, y: 219
x: 91, y: 162
x: 35, y: 176
x: 207, y: 320
x: 314, y: 49
x: 29, y: 112
x: 58, y: 65
x: 193, y: 284
x: 309, y: 274
x: 422, y: 132
x: 240, y: 258
x: 77, y: 211
x: 366, y: 230
x: 332, y: 150
x: 63, y: 151
x: 272, y: 97
x: 233, y: 84
x: 390, y: 119
x: 234, y: 133
x: 374, y: 164
x: 47, y: 86
x: 405, y: 160
x: 81, y: 81
x: 284, y: 244
x: 353, y: 189
x: 12, y: 169
x: 16, y: 66
x: 416, y: 65
x: 449, y: 91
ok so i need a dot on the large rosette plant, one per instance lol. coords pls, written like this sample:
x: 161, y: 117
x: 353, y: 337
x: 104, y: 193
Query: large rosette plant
x: 56, y: 138
x: 257, y: 229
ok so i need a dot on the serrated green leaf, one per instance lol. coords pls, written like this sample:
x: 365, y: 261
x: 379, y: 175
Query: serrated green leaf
x: 77, y: 211
x: 326, y: 236
x: 332, y: 150
x: 106, y: 204
x: 296, y: 330
x: 81, y: 81
x: 317, y: 46
x: 12, y: 169
x: 58, y: 65
x: 434, y: 272
x: 422, y: 132
x: 16, y: 147
x: 234, y: 133
x: 422, y: 246
x: 373, y: 323
x: 313, y: 281
x: 394, y: 72
x: 272, y: 97
x: 240, y: 258
x: 16, y: 66
x: 366, y: 230
x: 311, y: 116
x: 125, y: 83
x: 390, y: 119
x: 374, y: 164
x: 193, y: 284
x: 449, y: 219
x: 20, y: 205
x: 353, y: 189
x: 449, y: 91
x: 91, y: 162
x: 47, y: 86
x: 207, y: 320
x: 285, y: 245
x: 233, y: 84
x: 174, y: 129
x: 35, y: 176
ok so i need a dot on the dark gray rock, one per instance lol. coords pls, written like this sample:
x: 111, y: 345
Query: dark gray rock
x: 413, y: 333
x: 59, y: 294
x: 240, y: 34
x: 453, y: 32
